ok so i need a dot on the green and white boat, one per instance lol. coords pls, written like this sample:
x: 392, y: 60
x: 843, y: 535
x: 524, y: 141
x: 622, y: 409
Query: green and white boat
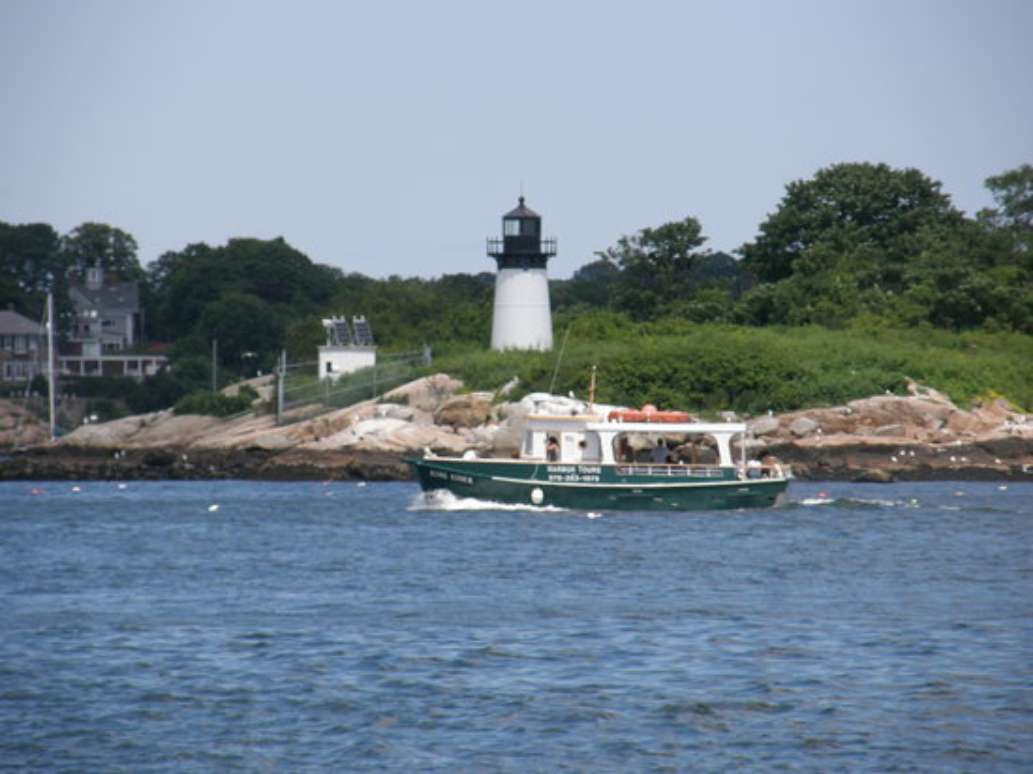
x: 582, y: 462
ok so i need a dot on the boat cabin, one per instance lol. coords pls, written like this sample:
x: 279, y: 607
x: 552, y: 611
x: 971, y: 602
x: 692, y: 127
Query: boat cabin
x: 596, y: 439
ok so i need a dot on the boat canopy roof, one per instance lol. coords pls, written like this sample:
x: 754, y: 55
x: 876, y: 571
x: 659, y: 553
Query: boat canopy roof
x: 598, y: 424
x: 708, y: 428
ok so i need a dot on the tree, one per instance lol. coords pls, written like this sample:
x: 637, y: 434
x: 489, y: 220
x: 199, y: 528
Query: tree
x: 655, y: 267
x: 31, y: 264
x: 1013, y: 193
x: 182, y: 284
x: 589, y: 286
x: 242, y: 323
x: 97, y: 244
x: 845, y: 207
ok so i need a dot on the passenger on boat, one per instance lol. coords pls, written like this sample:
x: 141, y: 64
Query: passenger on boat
x: 660, y: 455
x: 624, y: 453
x: 552, y: 449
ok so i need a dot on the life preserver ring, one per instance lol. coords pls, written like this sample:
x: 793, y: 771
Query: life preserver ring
x: 648, y: 413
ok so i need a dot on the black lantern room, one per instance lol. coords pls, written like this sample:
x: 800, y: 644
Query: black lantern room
x: 521, y: 246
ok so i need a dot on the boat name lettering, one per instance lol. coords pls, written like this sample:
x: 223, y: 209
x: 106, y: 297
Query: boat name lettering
x: 574, y: 474
x: 582, y: 469
x: 450, y: 476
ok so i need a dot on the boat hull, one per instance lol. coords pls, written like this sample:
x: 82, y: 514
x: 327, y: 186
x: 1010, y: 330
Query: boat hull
x: 596, y: 487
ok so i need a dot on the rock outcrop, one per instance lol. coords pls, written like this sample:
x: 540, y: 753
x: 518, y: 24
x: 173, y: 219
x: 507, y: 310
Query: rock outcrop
x: 886, y: 437
x: 19, y: 426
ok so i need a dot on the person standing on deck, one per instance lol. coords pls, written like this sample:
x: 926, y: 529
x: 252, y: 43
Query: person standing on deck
x: 552, y: 449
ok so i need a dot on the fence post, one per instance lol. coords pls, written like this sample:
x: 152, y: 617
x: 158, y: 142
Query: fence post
x: 281, y: 374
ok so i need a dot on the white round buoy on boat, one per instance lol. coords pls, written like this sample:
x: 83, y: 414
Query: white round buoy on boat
x: 537, y: 495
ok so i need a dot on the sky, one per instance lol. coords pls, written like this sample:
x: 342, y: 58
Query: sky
x: 388, y: 138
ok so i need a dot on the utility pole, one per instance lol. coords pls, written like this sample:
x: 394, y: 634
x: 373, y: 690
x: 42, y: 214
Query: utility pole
x: 50, y: 363
x: 215, y: 365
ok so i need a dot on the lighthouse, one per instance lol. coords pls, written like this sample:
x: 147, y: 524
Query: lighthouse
x: 522, y: 318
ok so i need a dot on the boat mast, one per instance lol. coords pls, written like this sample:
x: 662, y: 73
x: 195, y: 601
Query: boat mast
x: 50, y: 360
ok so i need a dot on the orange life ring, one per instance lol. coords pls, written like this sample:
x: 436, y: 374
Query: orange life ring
x: 648, y: 413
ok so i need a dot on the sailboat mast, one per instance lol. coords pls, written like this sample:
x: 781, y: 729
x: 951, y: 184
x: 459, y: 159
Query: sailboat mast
x: 50, y: 360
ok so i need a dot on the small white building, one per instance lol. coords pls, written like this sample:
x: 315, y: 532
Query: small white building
x: 349, y: 347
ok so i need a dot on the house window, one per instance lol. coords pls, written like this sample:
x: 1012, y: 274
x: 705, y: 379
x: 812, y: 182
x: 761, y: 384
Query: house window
x: 18, y: 369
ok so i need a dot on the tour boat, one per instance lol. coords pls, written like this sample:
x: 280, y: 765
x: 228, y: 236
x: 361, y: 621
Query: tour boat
x: 586, y: 461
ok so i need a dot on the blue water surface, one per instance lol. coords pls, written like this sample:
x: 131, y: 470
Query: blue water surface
x: 212, y: 626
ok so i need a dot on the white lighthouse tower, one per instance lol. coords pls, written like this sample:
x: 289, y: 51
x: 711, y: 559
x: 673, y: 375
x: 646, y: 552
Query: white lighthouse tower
x: 523, y: 319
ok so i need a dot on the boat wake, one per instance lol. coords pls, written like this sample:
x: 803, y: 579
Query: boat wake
x: 855, y: 503
x: 860, y: 504
x: 443, y: 500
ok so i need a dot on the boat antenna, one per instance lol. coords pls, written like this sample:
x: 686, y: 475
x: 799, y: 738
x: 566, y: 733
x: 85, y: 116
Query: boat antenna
x: 559, y: 359
x: 591, y: 391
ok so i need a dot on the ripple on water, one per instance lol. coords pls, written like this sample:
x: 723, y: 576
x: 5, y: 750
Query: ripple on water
x: 860, y: 627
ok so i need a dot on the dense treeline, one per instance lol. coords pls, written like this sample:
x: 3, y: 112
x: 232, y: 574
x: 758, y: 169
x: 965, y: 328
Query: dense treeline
x: 859, y: 247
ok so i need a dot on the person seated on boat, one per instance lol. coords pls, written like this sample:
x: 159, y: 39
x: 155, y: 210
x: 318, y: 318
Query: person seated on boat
x: 772, y: 467
x: 660, y: 455
x: 552, y: 449
x: 624, y: 453
x: 753, y: 469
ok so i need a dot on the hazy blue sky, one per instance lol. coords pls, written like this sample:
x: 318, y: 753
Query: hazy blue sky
x: 389, y: 137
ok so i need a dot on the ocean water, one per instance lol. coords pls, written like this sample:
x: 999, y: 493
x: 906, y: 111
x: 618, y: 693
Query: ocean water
x: 221, y: 626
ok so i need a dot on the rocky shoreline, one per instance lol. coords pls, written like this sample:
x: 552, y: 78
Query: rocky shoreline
x: 922, y: 436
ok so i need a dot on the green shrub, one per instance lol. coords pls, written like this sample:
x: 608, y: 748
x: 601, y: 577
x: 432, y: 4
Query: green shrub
x: 214, y: 404
x: 705, y: 368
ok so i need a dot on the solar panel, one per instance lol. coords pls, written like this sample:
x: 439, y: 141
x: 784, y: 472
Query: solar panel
x: 363, y: 332
x: 341, y: 333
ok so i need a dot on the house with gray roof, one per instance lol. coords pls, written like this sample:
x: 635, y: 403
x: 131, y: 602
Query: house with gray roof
x: 22, y: 347
x: 106, y: 337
